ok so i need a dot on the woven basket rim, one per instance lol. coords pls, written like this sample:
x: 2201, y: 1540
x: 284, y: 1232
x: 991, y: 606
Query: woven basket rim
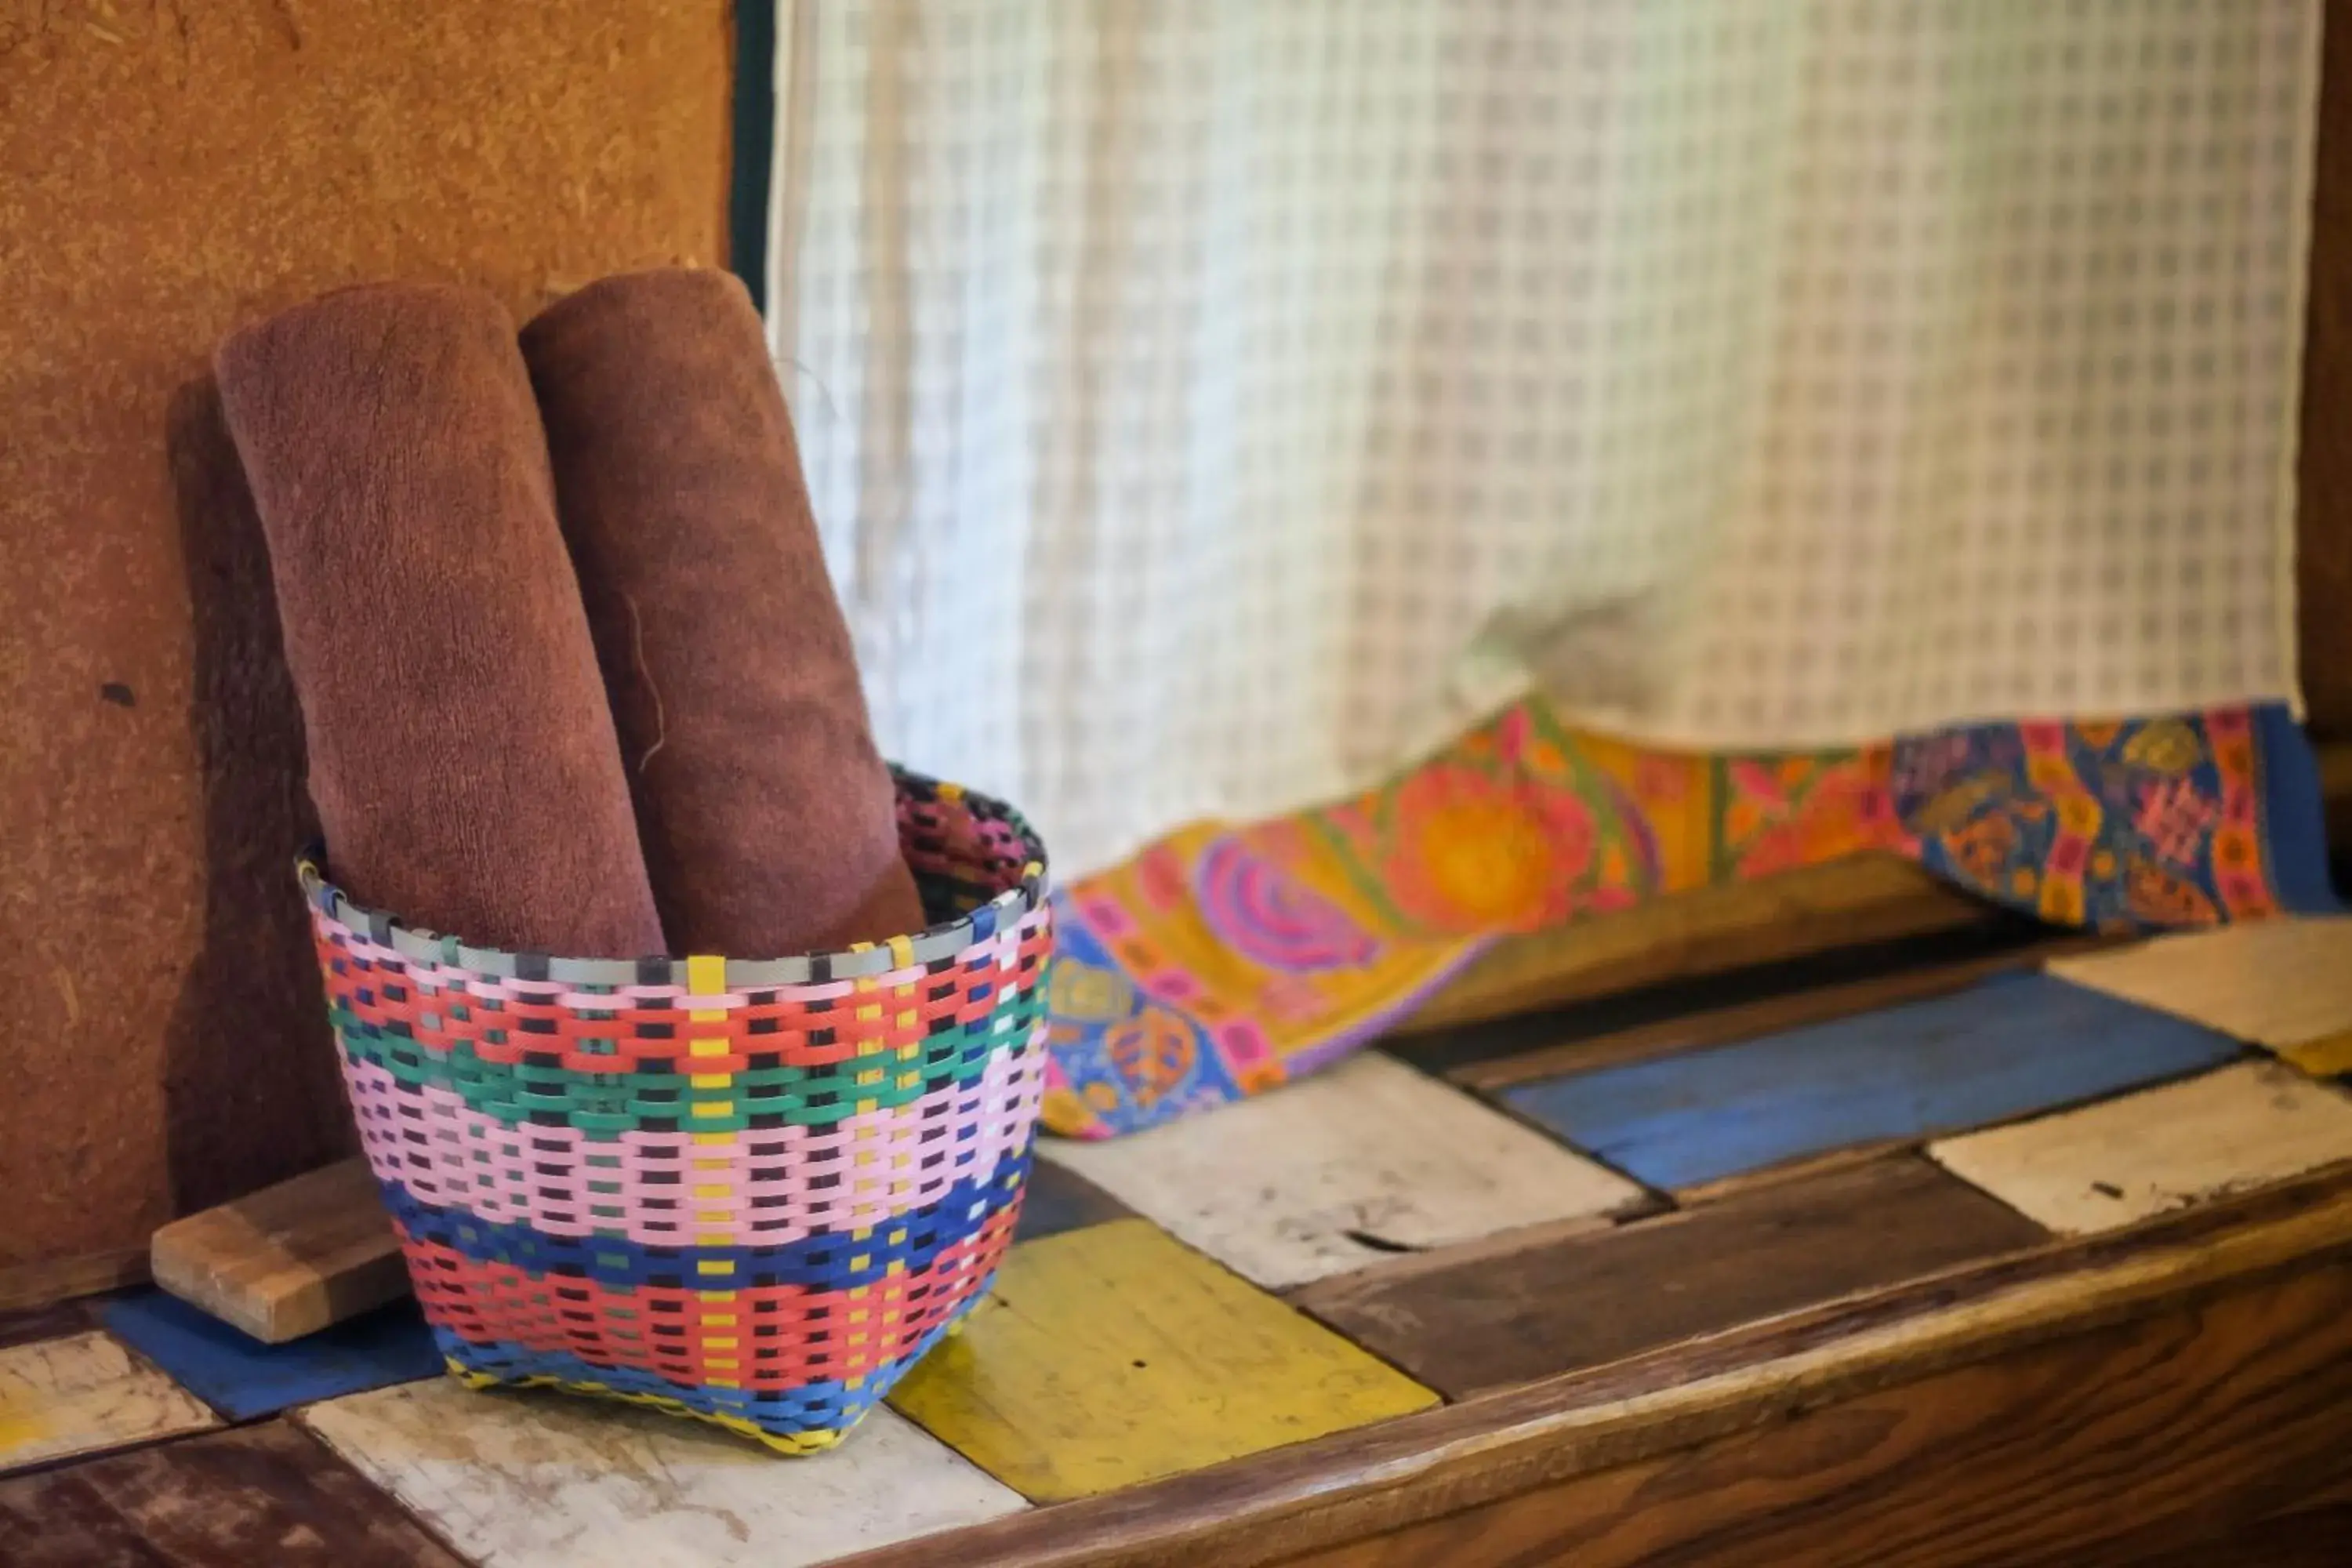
x: 947, y: 939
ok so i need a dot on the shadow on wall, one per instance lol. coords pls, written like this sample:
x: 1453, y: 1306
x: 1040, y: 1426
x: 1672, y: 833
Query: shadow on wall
x: 252, y: 1093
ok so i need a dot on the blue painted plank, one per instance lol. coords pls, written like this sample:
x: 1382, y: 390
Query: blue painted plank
x: 243, y: 1378
x: 2010, y: 1047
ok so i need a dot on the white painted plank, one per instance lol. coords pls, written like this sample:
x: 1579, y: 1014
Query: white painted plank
x: 2278, y: 982
x: 84, y: 1392
x: 551, y: 1480
x: 1273, y: 1187
x: 2110, y: 1164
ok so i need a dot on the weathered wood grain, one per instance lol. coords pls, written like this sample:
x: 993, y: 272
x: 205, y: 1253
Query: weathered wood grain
x: 2109, y: 1164
x: 2006, y: 1047
x: 2040, y: 1452
x: 2278, y: 984
x: 260, y: 1495
x: 1499, y: 1447
x: 1478, y: 1318
x: 1346, y: 1168
x: 1539, y: 1053
x: 1864, y: 898
x: 290, y: 1260
x: 30, y: 1285
x: 1800, y: 990
x: 550, y: 1480
x: 83, y: 1394
x: 1111, y: 1356
x: 52, y: 1323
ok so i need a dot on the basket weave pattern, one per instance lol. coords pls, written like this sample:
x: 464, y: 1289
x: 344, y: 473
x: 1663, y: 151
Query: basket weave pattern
x: 751, y: 1191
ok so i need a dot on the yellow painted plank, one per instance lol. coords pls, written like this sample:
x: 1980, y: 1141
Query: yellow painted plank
x: 2121, y: 1161
x: 2330, y: 1056
x: 1114, y: 1355
x: 82, y: 1393
x: 2278, y: 984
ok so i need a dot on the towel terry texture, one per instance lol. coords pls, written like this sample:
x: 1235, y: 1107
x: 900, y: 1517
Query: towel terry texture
x: 461, y: 756
x: 766, y: 814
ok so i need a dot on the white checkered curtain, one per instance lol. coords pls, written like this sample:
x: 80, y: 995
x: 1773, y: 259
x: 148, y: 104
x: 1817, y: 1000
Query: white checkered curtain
x: 1208, y: 402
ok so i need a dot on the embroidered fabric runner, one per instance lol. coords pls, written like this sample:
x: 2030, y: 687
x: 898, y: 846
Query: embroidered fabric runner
x: 1222, y: 961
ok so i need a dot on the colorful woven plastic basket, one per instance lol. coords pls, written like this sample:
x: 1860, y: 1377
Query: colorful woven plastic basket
x: 751, y: 1191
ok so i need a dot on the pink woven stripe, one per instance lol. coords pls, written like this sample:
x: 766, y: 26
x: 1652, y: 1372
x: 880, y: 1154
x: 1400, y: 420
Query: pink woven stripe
x: 562, y: 1181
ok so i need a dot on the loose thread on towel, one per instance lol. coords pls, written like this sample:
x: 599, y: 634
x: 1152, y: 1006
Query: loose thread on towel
x: 831, y: 409
x: 637, y: 651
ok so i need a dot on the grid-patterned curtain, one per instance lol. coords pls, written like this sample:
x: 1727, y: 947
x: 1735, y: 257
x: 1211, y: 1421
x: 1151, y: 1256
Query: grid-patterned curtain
x: 1208, y: 401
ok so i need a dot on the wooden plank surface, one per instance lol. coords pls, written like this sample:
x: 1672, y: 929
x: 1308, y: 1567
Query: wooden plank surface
x: 30, y: 1285
x: 1113, y: 1356
x: 2275, y: 983
x: 1343, y: 1170
x: 550, y: 1480
x: 52, y: 1323
x: 290, y: 1260
x: 83, y: 1394
x: 244, y: 1379
x: 1482, y: 1317
x: 2039, y: 1453
x: 266, y: 1495
x: 2107, y: 1165
x: 1729, y: 1006
x: 1056, y: 1198
x: 2330, y: 1056
x: 1864, y: 899
x: 1507, y: 1445
x: 2006, y: 1047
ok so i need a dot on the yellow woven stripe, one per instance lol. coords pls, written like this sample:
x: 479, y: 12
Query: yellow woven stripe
x: 705, y: 975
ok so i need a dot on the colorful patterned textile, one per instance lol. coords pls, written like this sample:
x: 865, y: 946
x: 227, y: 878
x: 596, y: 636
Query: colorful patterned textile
x: 754, y: 1193
x: 1222, y: 961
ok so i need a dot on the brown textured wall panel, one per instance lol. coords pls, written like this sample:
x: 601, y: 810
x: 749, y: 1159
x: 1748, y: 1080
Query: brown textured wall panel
x: 168, y: 169
x: 2323, y: 478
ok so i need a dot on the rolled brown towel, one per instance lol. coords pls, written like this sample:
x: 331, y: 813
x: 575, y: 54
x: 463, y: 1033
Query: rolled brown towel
x: 768, y: 818
x: 461, y: 756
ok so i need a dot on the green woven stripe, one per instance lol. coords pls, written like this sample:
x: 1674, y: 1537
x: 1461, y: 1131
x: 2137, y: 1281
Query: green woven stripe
x: 623, y: 1101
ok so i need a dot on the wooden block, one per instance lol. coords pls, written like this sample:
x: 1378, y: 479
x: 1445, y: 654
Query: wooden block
x: 266, y: 1494
x: 2006, y: 1047
x: 2276, y: 982
x: 244, y: 1379
x: 290, y: 1260
x: 1481, y: 1317
x: 2107, y: 1165
x: 82, y: 1393
x: 1056, y: 1198
x: 547, y: 1481
x: 1113, y: 1356
x: 1343, y: 1170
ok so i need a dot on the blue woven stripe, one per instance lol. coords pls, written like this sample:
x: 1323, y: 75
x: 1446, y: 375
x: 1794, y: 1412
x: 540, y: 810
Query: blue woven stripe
x: 794, y: 1412
x: 823, y: 1262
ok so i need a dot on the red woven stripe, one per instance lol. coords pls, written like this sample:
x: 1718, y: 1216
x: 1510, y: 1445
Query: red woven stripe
x: 783, y: 1336
x: 929, y: 999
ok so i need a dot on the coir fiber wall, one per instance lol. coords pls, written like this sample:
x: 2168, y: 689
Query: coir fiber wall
x: 168, y: 169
